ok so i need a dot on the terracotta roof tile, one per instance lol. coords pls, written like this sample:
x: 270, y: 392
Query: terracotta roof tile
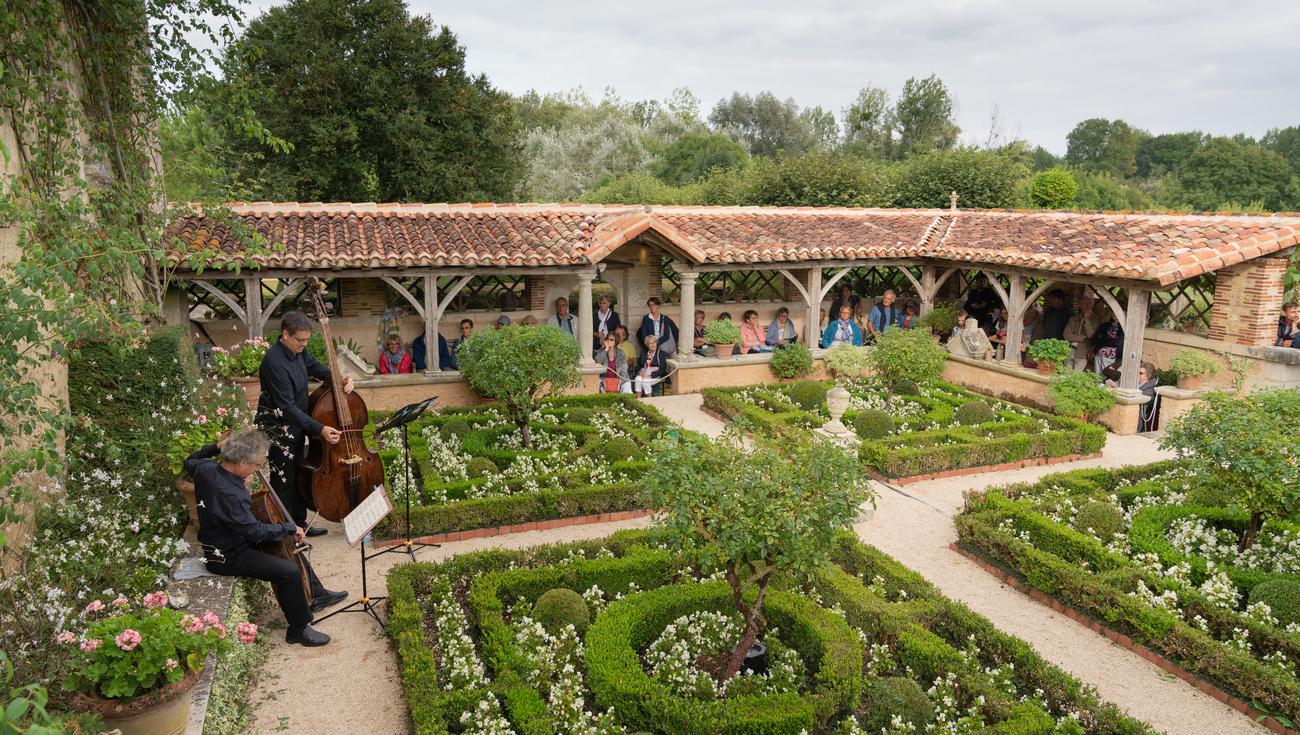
x: 1152, y: 247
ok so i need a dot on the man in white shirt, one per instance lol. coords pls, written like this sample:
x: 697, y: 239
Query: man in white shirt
x: 563, y: 319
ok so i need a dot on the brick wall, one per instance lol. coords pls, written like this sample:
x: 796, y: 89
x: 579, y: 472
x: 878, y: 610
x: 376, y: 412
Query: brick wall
x: 1248, y: 301
x: 364, y: 297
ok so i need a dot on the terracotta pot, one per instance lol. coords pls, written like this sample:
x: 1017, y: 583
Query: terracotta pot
x: 163, y: 711
x: 724, y: 350
x: 1047, y: 368
x: 252, y: 386
x: 186, y: 489
x: 1190, y: 382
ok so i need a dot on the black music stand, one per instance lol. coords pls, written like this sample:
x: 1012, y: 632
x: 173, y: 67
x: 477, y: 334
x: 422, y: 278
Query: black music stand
x: 356, y: 528
x: 402, y: 418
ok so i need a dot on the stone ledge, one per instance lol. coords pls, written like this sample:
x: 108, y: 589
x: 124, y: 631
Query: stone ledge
x: 1121, y: 640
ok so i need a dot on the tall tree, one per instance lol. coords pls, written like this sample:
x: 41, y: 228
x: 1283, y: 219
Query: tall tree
x: 1103, y: 146
x: 981, y: 178
x: 766, y: 125
x: 692, y: 156
x: 869, y: 124
x: 375, y: 104
x: 816, y: 179
x: 565, y: 162
x: 1161, y: 154
x: 822, y: 126
x: 1286, y: 143
x: 1226, y: 174
x: 923, y: 118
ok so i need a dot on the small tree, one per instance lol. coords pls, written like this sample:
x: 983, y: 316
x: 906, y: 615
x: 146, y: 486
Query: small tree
x: 1249, y: 446
x: 754, y: 513
x: 907, y: 354
x: 520, y: 365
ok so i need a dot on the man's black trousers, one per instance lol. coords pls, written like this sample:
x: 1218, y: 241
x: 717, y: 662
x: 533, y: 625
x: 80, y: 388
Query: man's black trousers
x: 280, y: 572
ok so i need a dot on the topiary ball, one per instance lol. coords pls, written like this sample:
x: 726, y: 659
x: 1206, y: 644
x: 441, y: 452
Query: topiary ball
x: 617, y: 449
x: 1282, y: 596
x: 579, y: 416
x: 906, y: 388
x: 1208, y: 495
x: 559, y: 607
x: 480, y: 467
x: 1104, y: 519
x: 455, y: 426
x: 873, y: 424
x: 974, y: 412
x: 808, y: 394
x: 891, y: 696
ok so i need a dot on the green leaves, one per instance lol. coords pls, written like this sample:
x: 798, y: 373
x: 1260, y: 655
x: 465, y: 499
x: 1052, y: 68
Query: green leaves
x: 520, y: 365
x: 907, y: 354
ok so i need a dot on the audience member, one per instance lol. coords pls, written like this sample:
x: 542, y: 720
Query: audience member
x: 1149, y: 412
x: 999, y: 337
x: 1107, y: 343
x: 466, y: 331
x: 822, y: 321
x: 843, y: 330
x: 1033, y: 321
x: 624, y: 343
x: 614, y: 360
x: 563, y: 319
x: 884, y: 315
x: 1288, y: 326
x: 781, y: 331
x: 605, y: 320
x: 725, y: 315
x: 502, y: 321
x: 909, y: 320
x: 651, y: 369
x: 1056, y: 316
x: 446, y: 357
x: 700, y: 345
x: 659, y: 325
x: 753, y: 338
x: 981, y: 300
x: 1079, y: 330
x: 394, y: 359
x: 846, y: 297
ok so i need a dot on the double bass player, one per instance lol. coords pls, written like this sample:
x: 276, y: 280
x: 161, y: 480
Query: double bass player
x: 230, y: 533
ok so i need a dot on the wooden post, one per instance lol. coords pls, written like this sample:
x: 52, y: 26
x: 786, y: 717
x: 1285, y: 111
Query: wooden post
x: 686, y: 325
x: 253, y: 306
x: 585, y: 318
x: 433, y: 361
x: 1135, y: 327
x: 814, y: 307
x: 1015, y: 319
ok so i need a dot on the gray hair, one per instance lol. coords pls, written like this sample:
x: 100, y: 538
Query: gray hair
x: 249, y: 445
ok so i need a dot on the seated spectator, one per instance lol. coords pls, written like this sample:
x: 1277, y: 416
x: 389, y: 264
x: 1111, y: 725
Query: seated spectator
x: 530, y: 321
x: 394, y: 359
x: 909, y: 320
x: 624, y: 343
x: 969, y: 340
x: 843, y: 330
x: 466, y: 329
x: 1080, y: 328
x: 651, y: 369
x: 660, y: 325
x: 884, y: 315
x: 846, y: 297
x: 822, y: 321
x: 1288, y: 326
x: 1055, y: 317
x: 725, y: 315
x: 605, y: 320
x: 615, y: 379
x: 563, y: 319
x: 502, y: 321
x: 781, y: 331
x: 753, y: 338
x: 700, y: 345
x: 446, y: 358
x: 999, y: 337
x: 1107, y: 343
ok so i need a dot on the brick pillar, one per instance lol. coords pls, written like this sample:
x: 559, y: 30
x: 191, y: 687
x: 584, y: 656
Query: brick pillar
x: 1248, y: 301
x: 536, y: 293
x: 363, y: 296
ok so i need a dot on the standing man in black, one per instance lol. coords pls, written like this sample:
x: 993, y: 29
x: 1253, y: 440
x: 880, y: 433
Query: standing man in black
x: 282, y: 410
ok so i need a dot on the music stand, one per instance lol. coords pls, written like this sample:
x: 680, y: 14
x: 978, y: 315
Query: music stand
x: 356, y: 527
x: 402, y: 418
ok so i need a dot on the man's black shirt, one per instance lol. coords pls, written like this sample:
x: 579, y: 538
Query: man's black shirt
x: 284, y: 390
x: 226, y: 520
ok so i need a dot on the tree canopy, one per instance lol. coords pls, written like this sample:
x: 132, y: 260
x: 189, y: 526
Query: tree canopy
x: 520, y: 365
x: 1104, y: 146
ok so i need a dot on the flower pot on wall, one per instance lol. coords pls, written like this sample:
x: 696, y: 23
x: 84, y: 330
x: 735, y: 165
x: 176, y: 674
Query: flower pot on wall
x: 186, y: 489
x: 1047, y: 368
x: 724, y: 350
x: 252, y: 386
x: 163, y: 711
x: 1191, y: 382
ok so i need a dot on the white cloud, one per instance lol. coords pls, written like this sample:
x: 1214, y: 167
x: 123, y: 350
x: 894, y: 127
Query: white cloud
x: 1163, y: 66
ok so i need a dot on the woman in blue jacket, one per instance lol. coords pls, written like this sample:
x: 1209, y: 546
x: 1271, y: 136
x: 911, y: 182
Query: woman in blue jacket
x: 843, y: 330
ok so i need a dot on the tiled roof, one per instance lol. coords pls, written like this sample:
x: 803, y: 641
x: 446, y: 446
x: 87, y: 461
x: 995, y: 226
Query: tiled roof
x: 1162, y: 248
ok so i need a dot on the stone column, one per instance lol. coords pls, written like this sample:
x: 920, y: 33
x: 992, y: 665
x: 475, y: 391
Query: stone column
x: 586, y: 329
x: 432, y: 361
x: 814, y: 334
x: 1135, y: 328
x: 686, y: 324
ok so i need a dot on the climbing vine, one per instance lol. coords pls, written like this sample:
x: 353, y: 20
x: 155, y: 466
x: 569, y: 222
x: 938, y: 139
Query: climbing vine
x: 83, y: 84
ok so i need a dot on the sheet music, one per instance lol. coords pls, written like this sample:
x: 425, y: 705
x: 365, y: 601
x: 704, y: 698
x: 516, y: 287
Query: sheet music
x: 366, y: 515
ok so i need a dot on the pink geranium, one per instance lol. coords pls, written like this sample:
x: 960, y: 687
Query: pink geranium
x: 93, y: 607
x: 203, y: 418
x: 120, y: 600
x: 128, y: 639
x: 155, y: 600
x: 211, y: 618
x: 67, y: 636
x: 171, y: 664
x: 221, y: 411
x: 90, y: 645
x: 191, y: 624
x: 247, y: 632
x: 221, y: 629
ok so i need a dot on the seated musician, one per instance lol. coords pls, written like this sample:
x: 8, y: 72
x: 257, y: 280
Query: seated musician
x: 230, y: 534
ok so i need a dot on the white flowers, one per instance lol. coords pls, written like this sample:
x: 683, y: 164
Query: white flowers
x: 673, y: 656
x: 555, y: 664
x: 460, y: 665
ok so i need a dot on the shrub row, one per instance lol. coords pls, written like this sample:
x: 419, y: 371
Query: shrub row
x: 1009, y: 437
x: 1078, y: 570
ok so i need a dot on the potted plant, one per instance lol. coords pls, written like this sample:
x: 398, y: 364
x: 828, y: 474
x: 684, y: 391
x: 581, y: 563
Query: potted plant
x: 792, y: 362
x: 723, y: 334
x: 1191, y: 367
x: 134, y: 665
x: 225, y: 412
x: 240, y: 365
x: 1050, y: 354
x: 941, y: 320
x: 848, y: 361
x: 1079, y: 395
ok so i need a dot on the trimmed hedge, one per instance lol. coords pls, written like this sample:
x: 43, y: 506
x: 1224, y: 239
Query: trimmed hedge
x: 1078, y: 570
x: 925, y: 632
x: 1009, y: 437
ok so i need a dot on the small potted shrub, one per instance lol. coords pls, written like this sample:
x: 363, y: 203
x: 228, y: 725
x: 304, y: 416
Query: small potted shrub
x: 240, y: 365
x: 134, y: 665
x: 792, y: 362
x: 1079, y: 395
x: 1050, y: 354
x: 847, y: 361
x: 723, y: 334
x: 941, y: 320
x: 1191, y: 367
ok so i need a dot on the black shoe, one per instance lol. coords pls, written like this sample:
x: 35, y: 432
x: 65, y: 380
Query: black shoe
x: 308, y: 636
x: 326, y: 599
x: 317, y: 531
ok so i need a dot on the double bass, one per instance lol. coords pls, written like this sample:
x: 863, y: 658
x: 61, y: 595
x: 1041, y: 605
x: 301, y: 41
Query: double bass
x: 346, y: 473
x: 268, y: 508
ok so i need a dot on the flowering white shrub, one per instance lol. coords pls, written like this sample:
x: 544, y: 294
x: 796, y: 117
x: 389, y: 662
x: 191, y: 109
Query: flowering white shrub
x: 486, y: 718
x: 673, y: 656
x: 459, y: 664
x: 555, y: 669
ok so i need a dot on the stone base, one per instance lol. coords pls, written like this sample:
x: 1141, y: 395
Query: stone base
x: 838, y: 433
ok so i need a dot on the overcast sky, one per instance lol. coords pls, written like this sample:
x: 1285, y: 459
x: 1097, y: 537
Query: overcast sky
x: 1222, y: 67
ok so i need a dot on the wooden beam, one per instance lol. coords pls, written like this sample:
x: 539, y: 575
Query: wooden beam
x: 831, y: 283
x: 290, y: 287
x: 797, y: 283
x: 410, y: 299
x: 253, y: 305
x: 225, y: 298
x: 451, y: 294
x: 1135, y: 328
x: 1115, y: 308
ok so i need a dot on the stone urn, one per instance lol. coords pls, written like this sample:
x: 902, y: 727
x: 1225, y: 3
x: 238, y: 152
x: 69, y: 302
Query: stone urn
x: 162, y: 711
x: 837, y: 402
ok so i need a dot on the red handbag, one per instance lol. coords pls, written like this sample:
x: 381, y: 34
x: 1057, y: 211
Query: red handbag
x: 612, y: 385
